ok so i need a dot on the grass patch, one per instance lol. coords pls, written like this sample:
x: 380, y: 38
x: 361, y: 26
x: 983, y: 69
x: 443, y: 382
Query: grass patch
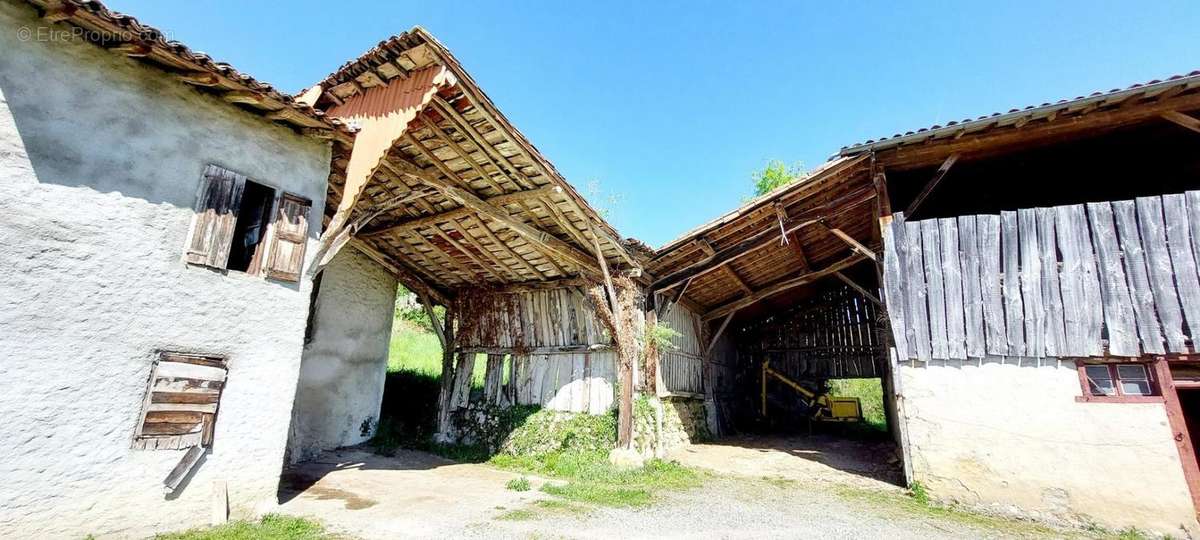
x: 916, y: 503
x: 270, y: 527
x: 591, y: 479
x: 518, y: 484
x: 520, y: 514
x: 869, y: 393
x: 601, y: 494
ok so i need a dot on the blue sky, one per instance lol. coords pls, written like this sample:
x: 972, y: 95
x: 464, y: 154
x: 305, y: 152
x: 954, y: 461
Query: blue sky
x: 672, y: 105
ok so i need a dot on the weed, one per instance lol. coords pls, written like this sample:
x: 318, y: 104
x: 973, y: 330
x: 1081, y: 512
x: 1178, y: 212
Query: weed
x: 918, y: 493
x: 271, y: 527
x: 518, y: 484
x: 520, y: 514
x: 599, y: 494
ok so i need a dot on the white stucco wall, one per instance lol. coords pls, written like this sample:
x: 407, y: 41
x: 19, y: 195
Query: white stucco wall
x: 100, y: 158
x: 1009, y: 436
x: 345, y: 364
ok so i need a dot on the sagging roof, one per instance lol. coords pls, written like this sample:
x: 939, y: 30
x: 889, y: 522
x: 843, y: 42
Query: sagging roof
x: 1138, y: 100
x: 125, y: 35
x: 788, y: 237
x: 461, y: 198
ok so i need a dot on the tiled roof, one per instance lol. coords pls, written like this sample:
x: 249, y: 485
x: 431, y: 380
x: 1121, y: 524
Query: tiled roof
x: 124, y: 34
x: 1045, y: 111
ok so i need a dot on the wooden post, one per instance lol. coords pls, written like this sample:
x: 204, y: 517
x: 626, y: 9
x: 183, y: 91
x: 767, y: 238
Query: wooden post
x: 623, y: 345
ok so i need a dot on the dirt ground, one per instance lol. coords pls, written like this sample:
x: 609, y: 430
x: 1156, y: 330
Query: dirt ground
x: 758, y: 488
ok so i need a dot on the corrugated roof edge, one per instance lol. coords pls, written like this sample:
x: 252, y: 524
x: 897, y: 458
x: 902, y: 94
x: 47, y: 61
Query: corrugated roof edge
x: 121, y: 24
x: 1191, y: 80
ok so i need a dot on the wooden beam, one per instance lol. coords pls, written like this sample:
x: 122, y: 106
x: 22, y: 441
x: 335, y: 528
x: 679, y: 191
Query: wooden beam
x: 407, y: 278
x: 449, y: 240
x: 199, y: 78
x: 59, y: 14
x: 908, y: 157
x: 798, y: 251
x: 132, y: 49
x: 933, y: 182
x: 244, y: 96
x: 1189, y: 122
x: 737, y: 280
x: 717, y: 335
x: 537, y: 274
x: 854, y: 244
x: 539, y: 239
x: 782, y: 286
x: 480, y: 141
x: 861, y: 290
x: 762, y: 239
x: 458, y: 213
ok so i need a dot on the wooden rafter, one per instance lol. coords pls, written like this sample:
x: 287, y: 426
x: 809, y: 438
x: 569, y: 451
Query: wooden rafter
x: 737, y: 280
x: 445, y: 139
x: 933, y: 183
x: 511, y: 252
x: 486, y: 253
x: 539, y: 239
x: 803, y: 279
x: 768, y: 237
x: 458, y: 213
x: 406, y: 277
x: 861, y: 290
x: 458, y: 246
x: 854, y: 244
x: 480, y: 141
x: 1189, y: 122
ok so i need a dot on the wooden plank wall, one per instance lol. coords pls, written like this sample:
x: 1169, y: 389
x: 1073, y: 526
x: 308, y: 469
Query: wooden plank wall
x: 682, y: 368
x: 534, y: 319
x: 834, y: 334
x: 1107, y: 278
x: 576, y: 382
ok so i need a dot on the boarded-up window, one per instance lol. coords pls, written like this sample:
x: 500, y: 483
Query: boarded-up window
x: 180, y: 407
x: 291, y: 235
x: 217, y: 204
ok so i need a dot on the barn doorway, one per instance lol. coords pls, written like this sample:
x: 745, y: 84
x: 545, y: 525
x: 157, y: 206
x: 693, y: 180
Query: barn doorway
x: 805, y: 374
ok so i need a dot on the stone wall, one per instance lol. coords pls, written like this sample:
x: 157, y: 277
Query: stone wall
x: 345, y: 362
x: 100, y: 160
x: 1007, y: 435
x: 662, y: 425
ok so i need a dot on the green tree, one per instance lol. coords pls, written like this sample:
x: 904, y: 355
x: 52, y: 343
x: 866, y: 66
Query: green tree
x: 775, y: 174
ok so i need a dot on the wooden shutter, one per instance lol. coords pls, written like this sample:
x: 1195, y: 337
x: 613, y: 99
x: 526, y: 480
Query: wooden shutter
x: 180, y: 406
x: 290, y: 238
x: 217, y: 204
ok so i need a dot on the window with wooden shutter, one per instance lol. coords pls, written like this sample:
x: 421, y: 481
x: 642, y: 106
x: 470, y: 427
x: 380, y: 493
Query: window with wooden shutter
x: 180, y: 407
x: 217, y: 204
x: 290, y: 238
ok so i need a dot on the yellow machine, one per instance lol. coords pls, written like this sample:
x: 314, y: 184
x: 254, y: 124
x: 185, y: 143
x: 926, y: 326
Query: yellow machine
x: 822, y: 407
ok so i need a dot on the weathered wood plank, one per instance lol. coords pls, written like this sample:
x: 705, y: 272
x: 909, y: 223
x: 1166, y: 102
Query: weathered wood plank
x: 1093, y: 306
x: 956, y: 337
x: 1158, y: 264
x: 894, y: 250
x: 918, y: 314
x: 1072, y: 281
x: 988, y: 231
x: 1179, y: 244
x: 1144, y: 311
x: 972, y: 299
x: 1114, y: 293
x: 1014, y: 310
x: 935, y: 287
x: 1055, y: 334
x: 1031, y: 284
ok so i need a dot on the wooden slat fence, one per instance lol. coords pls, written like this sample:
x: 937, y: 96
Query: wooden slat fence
x: 835, y: 334
x: 1117, y: 278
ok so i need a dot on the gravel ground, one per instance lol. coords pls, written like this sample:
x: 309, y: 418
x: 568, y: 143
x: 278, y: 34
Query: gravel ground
x: 755, y: 488
x: 739, y: 508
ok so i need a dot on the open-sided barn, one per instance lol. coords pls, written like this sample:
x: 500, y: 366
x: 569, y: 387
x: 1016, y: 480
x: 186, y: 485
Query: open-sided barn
x: 1023, y: 286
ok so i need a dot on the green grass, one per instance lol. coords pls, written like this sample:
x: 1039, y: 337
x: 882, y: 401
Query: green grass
x: 271, y: 527
x: 916, y: 503
x: 518, y: 484
x: 869, y: 393
x: 591, y: 479
x: 414, y: 349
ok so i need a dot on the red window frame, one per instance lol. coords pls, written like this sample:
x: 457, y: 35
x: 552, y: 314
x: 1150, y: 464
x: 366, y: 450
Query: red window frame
x: 1155, y: 387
